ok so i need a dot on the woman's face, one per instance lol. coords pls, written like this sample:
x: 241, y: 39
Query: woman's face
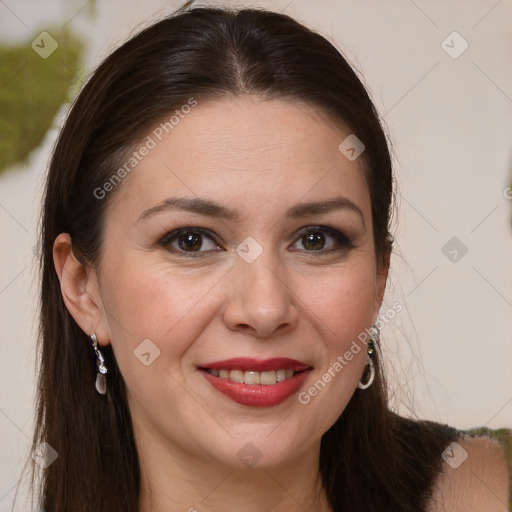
x: 253, y: 275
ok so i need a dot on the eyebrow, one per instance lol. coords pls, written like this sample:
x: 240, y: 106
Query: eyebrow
x: 210, y: 208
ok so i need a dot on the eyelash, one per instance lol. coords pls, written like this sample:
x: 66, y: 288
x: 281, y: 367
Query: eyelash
x: 342, y: 241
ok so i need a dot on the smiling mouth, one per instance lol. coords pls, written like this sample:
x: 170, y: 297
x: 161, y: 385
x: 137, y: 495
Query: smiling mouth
x: 256, y: 389
x: 268, y: 378
x: 255, y: 382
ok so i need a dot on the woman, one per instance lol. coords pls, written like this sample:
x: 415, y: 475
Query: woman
x: 215, y: 253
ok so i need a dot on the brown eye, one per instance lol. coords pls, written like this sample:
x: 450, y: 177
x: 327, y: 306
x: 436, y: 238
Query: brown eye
x: 189, y: 240
x: 316, y: 238
x: 314, y: 241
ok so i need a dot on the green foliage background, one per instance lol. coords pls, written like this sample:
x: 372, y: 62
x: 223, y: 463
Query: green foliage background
x: 31, y: 91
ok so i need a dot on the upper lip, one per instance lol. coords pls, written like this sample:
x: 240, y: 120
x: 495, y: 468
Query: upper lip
x: 259, y: 365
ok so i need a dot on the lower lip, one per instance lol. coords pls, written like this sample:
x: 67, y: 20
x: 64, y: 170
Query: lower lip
x: 254, y: 395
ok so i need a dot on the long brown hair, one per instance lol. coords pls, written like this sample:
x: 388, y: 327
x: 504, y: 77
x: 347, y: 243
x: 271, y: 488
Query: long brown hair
x: 371, y: 459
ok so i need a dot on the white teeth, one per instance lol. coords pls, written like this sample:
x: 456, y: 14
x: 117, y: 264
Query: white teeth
x: 236, y: 375
x: 268, y: 378
x: 280, y: 375
x: 251, y: 377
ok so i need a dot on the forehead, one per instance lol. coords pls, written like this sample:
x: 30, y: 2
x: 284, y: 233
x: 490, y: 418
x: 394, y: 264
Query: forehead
x: 246, y: 152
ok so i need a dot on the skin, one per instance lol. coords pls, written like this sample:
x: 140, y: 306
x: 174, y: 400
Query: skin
x: 481, y: 482
x: 292, y: 301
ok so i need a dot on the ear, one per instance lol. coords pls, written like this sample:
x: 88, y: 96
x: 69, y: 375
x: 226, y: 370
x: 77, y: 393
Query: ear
x: 381, y: 278
x: 80, y: 291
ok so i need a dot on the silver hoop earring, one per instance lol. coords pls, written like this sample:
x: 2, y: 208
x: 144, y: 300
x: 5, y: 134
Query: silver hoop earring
x: 369, y: 371
x: 370, y: 374
x: 101, y: 369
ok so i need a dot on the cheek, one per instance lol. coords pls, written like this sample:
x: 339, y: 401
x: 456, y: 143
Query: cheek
x: 155, y: 315
x: 151, y: 301
x: 342, y: 307
x: 343, y: 302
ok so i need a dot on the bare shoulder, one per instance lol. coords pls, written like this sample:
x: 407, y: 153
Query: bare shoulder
x: 475, y: 477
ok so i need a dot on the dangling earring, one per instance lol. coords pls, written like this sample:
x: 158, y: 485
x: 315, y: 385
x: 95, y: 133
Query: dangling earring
x: 369, y: 371
x: 101, y: 369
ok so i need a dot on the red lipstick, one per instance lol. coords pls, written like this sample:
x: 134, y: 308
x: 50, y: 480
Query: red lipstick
x: 255, y: 395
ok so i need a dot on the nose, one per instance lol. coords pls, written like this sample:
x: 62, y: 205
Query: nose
x: 261, y: 302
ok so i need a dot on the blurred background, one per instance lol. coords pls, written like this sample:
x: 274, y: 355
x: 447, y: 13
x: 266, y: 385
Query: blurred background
x: 439, y: 73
